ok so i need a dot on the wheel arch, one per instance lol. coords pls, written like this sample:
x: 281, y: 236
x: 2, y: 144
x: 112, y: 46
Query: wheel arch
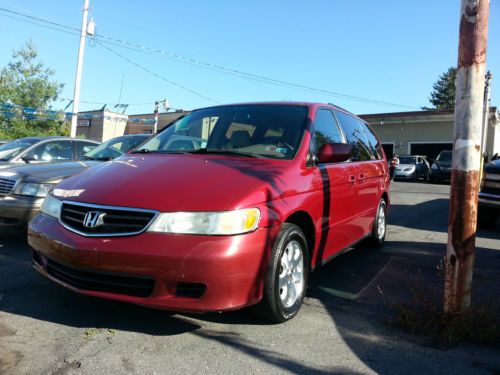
x: 305, y: 222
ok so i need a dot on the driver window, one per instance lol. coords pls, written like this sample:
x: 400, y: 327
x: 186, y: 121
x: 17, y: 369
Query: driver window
x: 52, y: 151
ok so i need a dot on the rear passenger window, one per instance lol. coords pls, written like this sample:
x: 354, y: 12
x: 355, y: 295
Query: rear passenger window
x: 355, y: 137
x: 373, y: 142
x: 326, y: 129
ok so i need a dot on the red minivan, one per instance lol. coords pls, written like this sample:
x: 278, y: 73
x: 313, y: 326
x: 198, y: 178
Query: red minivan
x: 230, y: 206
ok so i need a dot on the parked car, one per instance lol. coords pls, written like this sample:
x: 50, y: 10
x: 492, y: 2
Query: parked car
x: 489, y: 196
x: 441, y: 168
x: 260, y: 195
x: 412, y: 167
x: 36, y: 150
x: 23, y: 188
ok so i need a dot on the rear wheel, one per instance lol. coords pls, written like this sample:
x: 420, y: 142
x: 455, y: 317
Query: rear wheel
x: 287, y: 275
x: 380, y: 225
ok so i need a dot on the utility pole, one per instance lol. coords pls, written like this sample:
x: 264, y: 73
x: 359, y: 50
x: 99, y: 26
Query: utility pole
x: 157, y: 107
x: 79, y: 66
x: 486, y: 119
x: 466, y: 154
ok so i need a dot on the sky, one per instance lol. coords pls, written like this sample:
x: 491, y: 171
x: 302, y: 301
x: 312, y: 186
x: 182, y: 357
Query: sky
x: 386, y: 51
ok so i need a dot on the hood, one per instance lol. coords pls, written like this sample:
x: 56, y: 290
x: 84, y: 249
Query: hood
x: 51, y: 172
x: 493, y: 167
x: 6, y: 164
x: 179, y: 182
x: 403, y: 166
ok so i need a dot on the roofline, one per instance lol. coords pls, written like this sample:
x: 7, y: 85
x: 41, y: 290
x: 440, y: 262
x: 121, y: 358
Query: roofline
x: 432, y: 112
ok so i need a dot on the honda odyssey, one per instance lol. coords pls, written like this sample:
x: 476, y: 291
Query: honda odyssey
x: 230, y: 206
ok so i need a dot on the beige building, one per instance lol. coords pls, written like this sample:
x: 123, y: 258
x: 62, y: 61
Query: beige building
x: 425, y: 132
x: 102, y: 125
x: 140, y: 124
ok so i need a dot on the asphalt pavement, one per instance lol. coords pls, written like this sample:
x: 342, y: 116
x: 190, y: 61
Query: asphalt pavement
x: 341, y: 328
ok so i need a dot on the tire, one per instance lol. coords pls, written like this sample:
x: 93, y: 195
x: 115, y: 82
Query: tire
x: 284, y: 289
x: 379, y: 230
x: 486, y: 217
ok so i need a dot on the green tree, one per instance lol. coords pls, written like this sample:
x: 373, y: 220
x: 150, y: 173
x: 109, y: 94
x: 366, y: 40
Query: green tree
x: 443, y: 91
x: 27, y: 82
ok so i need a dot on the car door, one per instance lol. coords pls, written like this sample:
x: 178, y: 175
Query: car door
x: 368, y: 172
x: 338, y: 190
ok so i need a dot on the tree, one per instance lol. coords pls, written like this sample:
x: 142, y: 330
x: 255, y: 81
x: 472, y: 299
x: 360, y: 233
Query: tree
x: 26, y: 82
x: 443, y: 91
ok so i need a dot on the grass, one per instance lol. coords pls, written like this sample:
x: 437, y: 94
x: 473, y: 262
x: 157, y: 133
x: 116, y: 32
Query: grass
x: 423, y: 315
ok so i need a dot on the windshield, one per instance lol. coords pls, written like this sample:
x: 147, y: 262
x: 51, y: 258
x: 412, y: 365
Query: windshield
x: 407, y: 160
x: 263, y: 131
x: 114, y: 148
x: 14, y: 148
x: 444, y: 156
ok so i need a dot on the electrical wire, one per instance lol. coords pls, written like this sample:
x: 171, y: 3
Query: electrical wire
x: 207, y: 65
x: 159, y: 76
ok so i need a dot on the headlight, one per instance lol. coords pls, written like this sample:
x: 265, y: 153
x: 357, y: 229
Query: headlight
x: 35, y: 190
x: 209, y: 223
x: 435, y: 167
x: 409, y: 169
x: 51, y: 206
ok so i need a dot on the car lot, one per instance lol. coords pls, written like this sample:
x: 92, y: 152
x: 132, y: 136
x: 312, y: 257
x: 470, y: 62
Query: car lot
x: 340, y: 329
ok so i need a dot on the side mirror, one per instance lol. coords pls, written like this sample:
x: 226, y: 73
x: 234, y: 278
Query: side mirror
x: 334, y: 153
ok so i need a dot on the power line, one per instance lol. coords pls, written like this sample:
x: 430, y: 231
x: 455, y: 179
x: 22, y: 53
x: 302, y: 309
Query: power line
x: 221, y: 69
x: 157, y: 75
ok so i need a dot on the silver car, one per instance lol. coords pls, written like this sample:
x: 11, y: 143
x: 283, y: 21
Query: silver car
x: 23, y: 188
x: 34, y: 150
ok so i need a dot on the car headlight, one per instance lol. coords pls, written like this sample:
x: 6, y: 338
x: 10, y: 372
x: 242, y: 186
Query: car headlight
x: 51, y: 206
x: 409, y: 169
x: 208, y: 223
x: 35, y: 190
x: 435, y: 167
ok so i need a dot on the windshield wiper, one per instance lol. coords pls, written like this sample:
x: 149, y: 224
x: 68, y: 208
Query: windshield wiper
x: 88, y: 157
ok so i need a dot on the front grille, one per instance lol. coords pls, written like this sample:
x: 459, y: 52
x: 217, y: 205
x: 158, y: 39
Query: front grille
x: 116, y: 221
x: 6, y: 186
x: 97, y: 281
x: 491, y: 184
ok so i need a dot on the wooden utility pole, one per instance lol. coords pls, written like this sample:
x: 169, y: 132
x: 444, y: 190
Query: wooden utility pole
x: 466, y: 154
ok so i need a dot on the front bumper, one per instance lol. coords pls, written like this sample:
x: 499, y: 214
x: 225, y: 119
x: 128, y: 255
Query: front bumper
x: 441, y: 174
x: 17, y: 210
x: 229, y: 269
x: 407, y: 175
x: 489, y: 200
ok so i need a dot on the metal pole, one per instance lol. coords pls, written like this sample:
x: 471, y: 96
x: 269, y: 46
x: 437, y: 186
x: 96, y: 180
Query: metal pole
x: 486, y: 118
x: 79, y: 66
x: 156, y: 117
x: 466, y: 154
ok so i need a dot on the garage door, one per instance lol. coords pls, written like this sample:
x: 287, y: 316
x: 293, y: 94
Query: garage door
x: 388, y: 149
x: 431, y: 150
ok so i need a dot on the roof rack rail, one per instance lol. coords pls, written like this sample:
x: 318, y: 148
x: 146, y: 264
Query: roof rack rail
x: 345, y: 110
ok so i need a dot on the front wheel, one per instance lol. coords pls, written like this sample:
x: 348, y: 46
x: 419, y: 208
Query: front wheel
x: 380, y: 225
x: 287, y: 275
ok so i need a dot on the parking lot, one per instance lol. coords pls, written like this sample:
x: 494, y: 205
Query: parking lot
x: 341, y: 328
